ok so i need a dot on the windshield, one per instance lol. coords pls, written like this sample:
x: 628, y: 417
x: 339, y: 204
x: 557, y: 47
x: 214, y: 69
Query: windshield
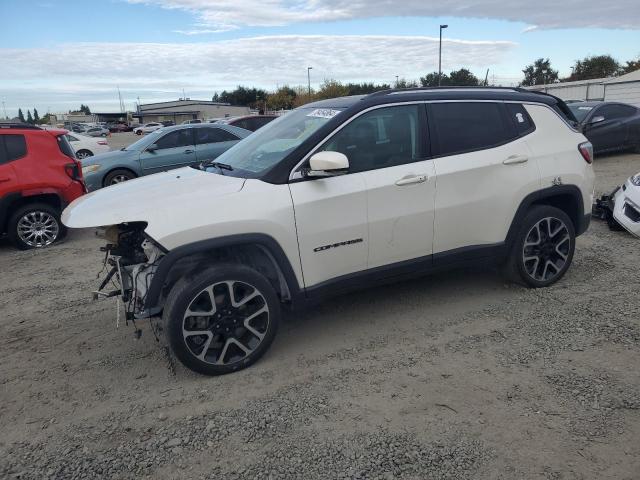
x: 146, y: 140
x: 270, y: 144
x: 580, y: 111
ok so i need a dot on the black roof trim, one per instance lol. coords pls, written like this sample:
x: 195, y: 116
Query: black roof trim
x: 20, y: 126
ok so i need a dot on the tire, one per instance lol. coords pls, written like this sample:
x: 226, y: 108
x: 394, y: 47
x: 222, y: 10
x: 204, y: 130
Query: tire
x: 118, y: 176
x: 252, y: 323
x: 84, y: 153
x: 543, y: 247
x: 36, y: 225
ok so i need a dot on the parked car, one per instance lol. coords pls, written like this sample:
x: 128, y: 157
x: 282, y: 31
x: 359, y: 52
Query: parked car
x: 344, y: 190
x: 147, y: 128
x: 192, y: 121
x: 168, y: 123
x: 119, y: 127
x: 39, y: 176
x: 85, y: 146
x: 609, y: 126
x: 97, y: 132
x: 161, y: 150
x: 76, y: 128
x: 248, y: 122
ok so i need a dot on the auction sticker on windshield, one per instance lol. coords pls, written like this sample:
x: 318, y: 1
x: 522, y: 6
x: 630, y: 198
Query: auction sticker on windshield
x: 323, y: 113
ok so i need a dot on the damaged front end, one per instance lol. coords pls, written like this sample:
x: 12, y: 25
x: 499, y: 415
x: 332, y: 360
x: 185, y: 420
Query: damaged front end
x: 131, y: 258
x: 621, y: 208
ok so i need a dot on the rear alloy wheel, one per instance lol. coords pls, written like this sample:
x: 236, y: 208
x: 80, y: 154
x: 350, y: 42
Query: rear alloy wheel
x: 544, y: 248
x: 35, y: 226
x: 223, y: 320
x: 118, y: 176
x: 84, y: 154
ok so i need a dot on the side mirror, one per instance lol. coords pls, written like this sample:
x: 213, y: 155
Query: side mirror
x: 327, y: 164
x: 596, y: 119
x: 152, y: 148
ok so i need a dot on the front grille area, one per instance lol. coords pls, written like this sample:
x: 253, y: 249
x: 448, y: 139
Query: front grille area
x: 632, y: 213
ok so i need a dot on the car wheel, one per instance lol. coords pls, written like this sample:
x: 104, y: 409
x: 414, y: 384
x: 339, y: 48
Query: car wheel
x: 36, y: 225
x: 118, y: 176
x: 221, y: 320
x: 543, y: 248
x: 138, y: 132
x: 83, y: 154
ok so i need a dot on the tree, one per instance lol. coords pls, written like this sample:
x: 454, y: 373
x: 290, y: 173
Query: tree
x: 36, y: 117
x: 539, y: 73
x: 215, y: 97
x: 46, y: 119
x: 282, y: 99
x: 431, y: 80
x: 597, y: 66
x: 29, y: 117
x: 243, y: 96
x: 463, y: 78
x: 331, y: 89
x: 21, y: 116
x: 404, y: 83
x: 365, y: 88
x: 85, y: 109
x: 631, y: 66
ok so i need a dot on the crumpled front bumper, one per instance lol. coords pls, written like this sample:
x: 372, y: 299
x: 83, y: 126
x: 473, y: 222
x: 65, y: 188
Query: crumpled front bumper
x: 626, y: 210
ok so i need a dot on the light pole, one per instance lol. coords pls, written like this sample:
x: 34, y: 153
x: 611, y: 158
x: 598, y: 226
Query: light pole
x: 397, y: 80
x: 4, y: 110
x: 309, y: 78
x: 442, y: 27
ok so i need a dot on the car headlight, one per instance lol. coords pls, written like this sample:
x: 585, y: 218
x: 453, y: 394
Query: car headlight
x: 635, y: 179
x: 90, y: 169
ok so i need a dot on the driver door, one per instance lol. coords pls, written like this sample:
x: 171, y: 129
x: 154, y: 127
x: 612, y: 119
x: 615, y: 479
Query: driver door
x: 173, y: 150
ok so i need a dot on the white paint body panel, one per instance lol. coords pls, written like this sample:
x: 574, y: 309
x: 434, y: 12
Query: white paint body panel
x: 83, y: 142
x: 631, y: 196
x: 557, y: 154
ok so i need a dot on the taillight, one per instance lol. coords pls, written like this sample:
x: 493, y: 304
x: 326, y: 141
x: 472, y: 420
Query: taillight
x: 102, y: 142
x: 74, y: 171
x: 586, y: 150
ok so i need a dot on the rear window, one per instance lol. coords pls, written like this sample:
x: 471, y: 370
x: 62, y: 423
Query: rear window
x: 213, y: 135
x: 15, y: 147
x: 65, y: 146
x: 463, y: 127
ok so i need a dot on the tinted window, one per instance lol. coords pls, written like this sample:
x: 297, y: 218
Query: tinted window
x: 580, y: 111
x: 612, y: 112
x: 65, y: 146
x: 177, y: 138
x: 71, y: 138
x: 463, y: 127
x: 381, y: 138
x: 520, y: 118
x: 16, y: 147
x: 244, y: 123
x: 213, y: 135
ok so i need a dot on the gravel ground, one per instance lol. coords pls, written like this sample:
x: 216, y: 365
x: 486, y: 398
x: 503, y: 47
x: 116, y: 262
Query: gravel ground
x: 450, y: 377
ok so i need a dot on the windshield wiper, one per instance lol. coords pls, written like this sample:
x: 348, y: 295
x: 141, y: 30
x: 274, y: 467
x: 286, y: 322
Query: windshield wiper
x: 220, y: 166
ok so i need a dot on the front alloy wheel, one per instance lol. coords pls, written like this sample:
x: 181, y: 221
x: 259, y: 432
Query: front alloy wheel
x: 223, y: 320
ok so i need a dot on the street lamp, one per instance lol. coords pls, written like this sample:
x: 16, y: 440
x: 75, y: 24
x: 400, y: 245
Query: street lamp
x: 309, y: 78
x: 442, y: 27
x: 397, y: 80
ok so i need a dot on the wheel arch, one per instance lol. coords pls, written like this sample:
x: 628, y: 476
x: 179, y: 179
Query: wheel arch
x: 259, y: 251
x: 119, y: 167
x: 16, y: 200
x: 567, y: 198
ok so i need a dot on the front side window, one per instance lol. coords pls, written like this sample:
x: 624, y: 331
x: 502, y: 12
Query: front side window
x: 613, y: 112
x: 177, y: 138
x: 213, y: 135
x: 467, y: 126
x: 381, y: 138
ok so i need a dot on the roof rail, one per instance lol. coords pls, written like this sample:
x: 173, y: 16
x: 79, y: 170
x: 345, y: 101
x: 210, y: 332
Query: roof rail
x: 397, y: 91
x: 21, y: 126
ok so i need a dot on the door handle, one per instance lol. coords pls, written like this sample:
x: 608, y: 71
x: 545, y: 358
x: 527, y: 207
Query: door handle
x: 411, y: 179
x: 5, y: 179
x: 189, y: 151
x: 515, y: 159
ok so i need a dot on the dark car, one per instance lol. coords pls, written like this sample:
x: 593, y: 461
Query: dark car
x: 609, y: 126
x: 248, y: 122
x: 119, y: 127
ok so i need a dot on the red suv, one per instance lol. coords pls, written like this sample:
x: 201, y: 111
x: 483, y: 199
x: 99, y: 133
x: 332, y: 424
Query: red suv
x: 39, y: 176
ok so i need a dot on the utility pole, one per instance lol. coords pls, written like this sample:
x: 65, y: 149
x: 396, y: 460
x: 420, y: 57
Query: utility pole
x: 4, y: 109
x: 442, y: 27
x: 309, y: 78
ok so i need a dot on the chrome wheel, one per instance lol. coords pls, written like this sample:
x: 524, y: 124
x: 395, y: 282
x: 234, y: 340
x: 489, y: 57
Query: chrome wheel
x: 118, y: 179
x: 83, y: 154
x: 546, y: 249
x: 38, y: 229
x: 225, y: 322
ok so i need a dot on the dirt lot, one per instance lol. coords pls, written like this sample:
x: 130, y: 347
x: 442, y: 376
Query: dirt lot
x: 453, y: 376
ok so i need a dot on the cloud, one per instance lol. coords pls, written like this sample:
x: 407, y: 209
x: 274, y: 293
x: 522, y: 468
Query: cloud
x: 224, y: 15
x: 93, y: 70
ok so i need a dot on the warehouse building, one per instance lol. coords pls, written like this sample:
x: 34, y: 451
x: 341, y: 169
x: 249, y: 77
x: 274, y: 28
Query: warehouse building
x: 186, y: 109
x: 625, y: 89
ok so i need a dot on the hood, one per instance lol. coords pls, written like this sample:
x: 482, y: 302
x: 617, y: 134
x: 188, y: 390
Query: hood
x: 103, y: 158
x: 152, y: 199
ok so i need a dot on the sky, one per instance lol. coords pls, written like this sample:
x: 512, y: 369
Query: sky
x: 55, y: 54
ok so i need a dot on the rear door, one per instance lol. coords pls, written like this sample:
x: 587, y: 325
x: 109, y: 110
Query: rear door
x: 484, y: 169
x: 173, y: 150
x: 8, y: 177
x: 212, y: 141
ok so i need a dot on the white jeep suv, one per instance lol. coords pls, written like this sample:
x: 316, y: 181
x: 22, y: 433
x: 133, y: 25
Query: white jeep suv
x: 342, y: 194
